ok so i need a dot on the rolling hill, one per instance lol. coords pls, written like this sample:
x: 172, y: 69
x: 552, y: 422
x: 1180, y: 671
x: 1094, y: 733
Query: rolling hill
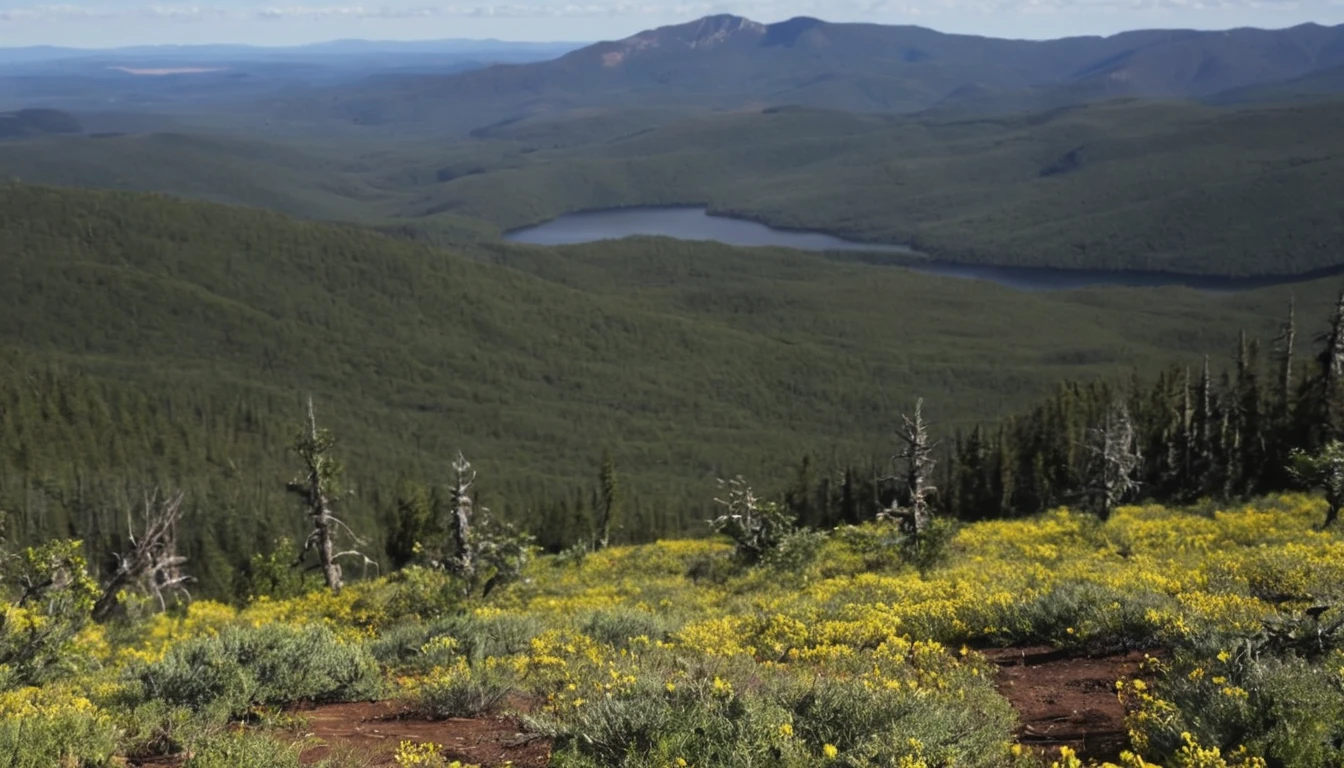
x: 695, y: 359
x: 1158, y: 186
x: 1166, y: 186
x: 27, y: 123
x: 729, y: 62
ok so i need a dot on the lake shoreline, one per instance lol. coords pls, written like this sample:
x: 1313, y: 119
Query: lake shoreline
x: 742, y: 230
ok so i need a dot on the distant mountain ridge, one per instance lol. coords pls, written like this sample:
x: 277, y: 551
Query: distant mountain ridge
x: 727, y: 62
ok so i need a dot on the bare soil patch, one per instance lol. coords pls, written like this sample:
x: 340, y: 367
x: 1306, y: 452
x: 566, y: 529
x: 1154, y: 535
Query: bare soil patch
x: 376, y: 729
x: 371, y: 732
x: 1063, y: 700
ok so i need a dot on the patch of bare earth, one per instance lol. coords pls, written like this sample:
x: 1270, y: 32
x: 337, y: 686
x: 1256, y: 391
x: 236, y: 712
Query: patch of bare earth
x: 374, y: 730
x: 1063, y: 700
x: 371, y: 733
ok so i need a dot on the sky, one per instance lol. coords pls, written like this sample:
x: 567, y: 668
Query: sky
x: 110, y: 23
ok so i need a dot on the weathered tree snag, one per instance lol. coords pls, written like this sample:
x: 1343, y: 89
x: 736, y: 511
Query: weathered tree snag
x: 919, y: 463
x: 153, y: 560
x: 463, y: 561
x: 318, y: 489
x: 1114, y: 460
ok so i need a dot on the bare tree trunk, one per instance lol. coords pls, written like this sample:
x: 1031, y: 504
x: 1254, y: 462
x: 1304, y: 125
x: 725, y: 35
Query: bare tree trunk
x: 153, y: 559
x: 317, y: 490
x: 319, y: 511
x: 1115, y: 458
x: 919, y: 463
x: 1286, y: 342
x: 463, y: 562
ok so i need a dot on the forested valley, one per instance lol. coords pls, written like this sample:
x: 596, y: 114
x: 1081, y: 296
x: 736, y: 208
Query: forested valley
x: 1009, y: 435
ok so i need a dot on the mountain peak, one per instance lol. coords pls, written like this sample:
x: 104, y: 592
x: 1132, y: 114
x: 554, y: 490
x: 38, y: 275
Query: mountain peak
x: 703, y: 33
x: 709, y: 32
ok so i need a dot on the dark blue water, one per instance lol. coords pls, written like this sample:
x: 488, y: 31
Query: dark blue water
x: 691, y: 223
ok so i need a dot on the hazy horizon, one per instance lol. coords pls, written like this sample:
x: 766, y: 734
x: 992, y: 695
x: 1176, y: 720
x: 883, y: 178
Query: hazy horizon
x: 242, y: 22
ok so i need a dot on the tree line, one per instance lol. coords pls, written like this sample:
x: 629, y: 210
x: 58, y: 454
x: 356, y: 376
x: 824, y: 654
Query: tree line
x: 87, y: 461
x: 1271, y: 421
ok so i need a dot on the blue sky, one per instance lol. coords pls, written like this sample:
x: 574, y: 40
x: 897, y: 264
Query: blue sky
x: 105, y: 23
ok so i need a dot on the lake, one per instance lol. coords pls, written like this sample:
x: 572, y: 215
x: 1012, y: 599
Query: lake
x: 695, y: 223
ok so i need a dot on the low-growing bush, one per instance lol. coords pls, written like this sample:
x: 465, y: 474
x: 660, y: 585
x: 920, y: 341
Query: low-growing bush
x: 618, y: 626
x: 40, y: 728
x: 795, y: 553
x: 1090, y: 617
x: 155, y: 728
x: 1287, y: 711
x: 876, y: 711
x: 272, y: 664
x: 460, y: 690
x: 412, y: 646
x: 244, y: 750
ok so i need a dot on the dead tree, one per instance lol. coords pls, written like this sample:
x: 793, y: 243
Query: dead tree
x: 152, y: 562
x: 608, y: 503
x: 462, y: 563
x: 919, y: 462
x: 483, y: 549
x: 319, y: 488
x: 1114, y: 460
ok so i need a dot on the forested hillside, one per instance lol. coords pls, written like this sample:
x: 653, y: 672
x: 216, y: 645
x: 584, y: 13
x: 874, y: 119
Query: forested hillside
x: 185, y: 337
x: 733, y: 63
x: 1124, y: 185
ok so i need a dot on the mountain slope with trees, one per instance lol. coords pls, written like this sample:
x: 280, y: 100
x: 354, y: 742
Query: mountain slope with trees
x: 729, y: 62
x: 185, y: 337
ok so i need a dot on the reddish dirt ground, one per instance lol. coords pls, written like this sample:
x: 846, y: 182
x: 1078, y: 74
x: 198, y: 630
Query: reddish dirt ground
x: 1066, y: 701
x: 375, y: 730
x: 371, y: 732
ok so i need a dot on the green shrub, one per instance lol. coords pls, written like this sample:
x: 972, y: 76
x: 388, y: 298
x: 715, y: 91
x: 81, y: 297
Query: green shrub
x: 1089, y: 616
x: 617, y: 626
x: 756, y: 527
x: 415, y: 593
x: 420, y: 647
x: 480, y: 637
x: 61, y: 736
x: 711, y: 567
x: 155, y: 728
x: 781, y: 720
x: 49, y: 587
x: 874, y: 726
x: 795, y: 553
x: 272, y: 664
x: 927, y: 549
x: 243, y: 750
x: 462, y: 691
x: 1286, y: 710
